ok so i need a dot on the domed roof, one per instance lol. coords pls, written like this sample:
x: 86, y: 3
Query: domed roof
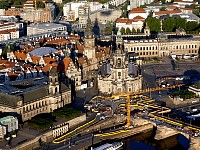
x: 43, y: 51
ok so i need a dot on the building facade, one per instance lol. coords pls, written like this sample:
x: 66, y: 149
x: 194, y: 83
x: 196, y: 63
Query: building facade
x: 34, y: 100
x: 163, y: 47
x: 44, y: 28
x: 10, y: 122
x: 195, y: 88
x: 120, y: 75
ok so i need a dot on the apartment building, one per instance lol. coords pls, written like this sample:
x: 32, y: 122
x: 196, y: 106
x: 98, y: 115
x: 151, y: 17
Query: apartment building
x: 9, y: 34
x: 44, y: 28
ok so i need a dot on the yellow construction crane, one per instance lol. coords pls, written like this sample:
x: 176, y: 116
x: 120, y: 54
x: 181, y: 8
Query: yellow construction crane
x: 127, y: 96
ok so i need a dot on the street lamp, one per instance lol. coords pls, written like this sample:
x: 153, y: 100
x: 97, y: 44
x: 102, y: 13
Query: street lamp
x: 84, y: 96
x: 92, y: 139
x: 70, y: 142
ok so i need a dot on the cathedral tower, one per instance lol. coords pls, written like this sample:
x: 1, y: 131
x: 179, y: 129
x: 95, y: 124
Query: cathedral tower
x: 89, y: 36
x: 53, y: 81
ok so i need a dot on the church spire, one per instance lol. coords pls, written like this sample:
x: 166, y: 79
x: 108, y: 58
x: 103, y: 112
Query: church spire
x: 88, y: 31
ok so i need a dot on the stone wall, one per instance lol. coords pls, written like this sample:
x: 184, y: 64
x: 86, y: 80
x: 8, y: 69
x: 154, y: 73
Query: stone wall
x: 48, y: 136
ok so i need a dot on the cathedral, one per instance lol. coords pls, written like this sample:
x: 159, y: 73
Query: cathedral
x: 119, y: 74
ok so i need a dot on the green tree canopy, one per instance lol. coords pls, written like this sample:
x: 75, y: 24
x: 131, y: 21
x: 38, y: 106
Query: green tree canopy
x: 193, y: 6
x: 191, y: 25
x: 111, y: 6
x: 40, y: 4
x: 171, y: 24
x: 162, y: 8
x: 196, y: 11
x: 122, y: 30
x: 168, y: 24
x: 4, y: 5
x: 153, y: 23
x: 138, y: 30
x: 163, y: 1
x: 133, y: 30
x: 180, y: 23
x: 128, y: 31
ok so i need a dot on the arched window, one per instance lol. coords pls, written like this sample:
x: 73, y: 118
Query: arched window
x: 56, y: 90
x: 119, y: 62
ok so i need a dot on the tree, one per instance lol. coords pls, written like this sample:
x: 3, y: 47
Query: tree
x: 143, y: 6
x: 4, y: 53
x: 193, y: 6
x: 122, y: 30
x: 180, y: 23
x: 196, y: 12
x: 138, y: 30
x: 153, y: 23
x: 163, y: 1
x: 40, y: 4
x: 171, y: 24
x: 162, y: 8
x: 133, y: 30
x: 191, y: 25
x: 128, y: 31
x: 168, y: 24
x: 111, y: 6
x: 4, y: 5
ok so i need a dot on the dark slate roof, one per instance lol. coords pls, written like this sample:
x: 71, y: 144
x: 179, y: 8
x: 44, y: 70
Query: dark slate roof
x: 63, y: 87
x: 105, y: 69
x: 196, y: 85
x: 132, y: 69
x: 35, y: 94
x: 53, y: 71
x: 9, y: 100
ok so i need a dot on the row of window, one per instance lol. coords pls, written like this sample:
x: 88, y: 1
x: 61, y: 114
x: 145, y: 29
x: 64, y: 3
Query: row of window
x: 143, y: 48
x: 35, y: 106
x: 34, y: 113
x: 148, y: 53
x: 156, y: 47
x: 190, y: 51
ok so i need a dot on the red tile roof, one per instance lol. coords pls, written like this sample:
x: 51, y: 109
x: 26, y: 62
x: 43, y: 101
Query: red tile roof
x: 8, y: 31
x: 122, y: 20
x: 66, y: 62
x: 35, y: 59
x: 168, y: 12
x: 138, y: 10
x: 20, y: 55
x: 80, y: 48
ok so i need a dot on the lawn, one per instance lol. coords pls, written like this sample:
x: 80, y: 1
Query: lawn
x: 66, y: 113
x: 46, y: 120
x: 41, y: 121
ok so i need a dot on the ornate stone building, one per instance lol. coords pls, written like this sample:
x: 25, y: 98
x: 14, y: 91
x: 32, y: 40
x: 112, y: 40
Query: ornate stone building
x: 120, y: 74
x: 29, y: 97
x: 163, y: 46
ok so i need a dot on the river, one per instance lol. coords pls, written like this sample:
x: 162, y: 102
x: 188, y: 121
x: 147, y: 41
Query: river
x: 146, y: 141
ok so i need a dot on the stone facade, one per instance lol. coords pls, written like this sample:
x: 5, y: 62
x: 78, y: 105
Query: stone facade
x: 120, y: 75
x: 159, y: 48
x: 44, y: 99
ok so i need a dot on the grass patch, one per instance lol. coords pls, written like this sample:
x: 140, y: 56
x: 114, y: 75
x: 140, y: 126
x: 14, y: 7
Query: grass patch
x: 185, y: 94
x: 66, y: 113
x: 41, y: 121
